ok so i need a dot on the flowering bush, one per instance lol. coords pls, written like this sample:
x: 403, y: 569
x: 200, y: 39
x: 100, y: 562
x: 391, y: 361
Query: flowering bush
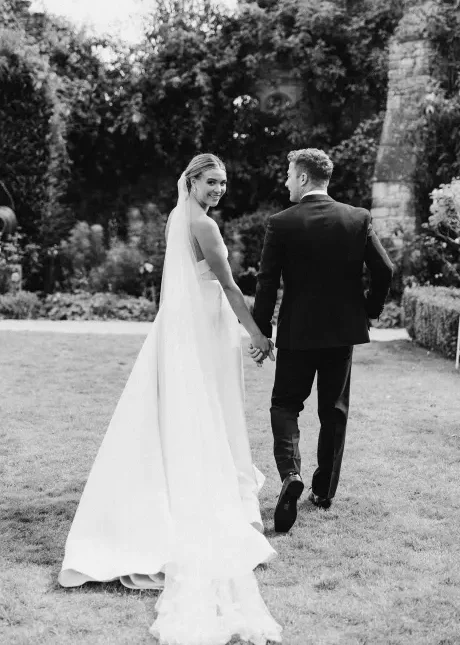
x: 76, y: 306
x: 132, y: 267
x: 152, y: 245
x: 122, y: 269
x: 10, y: 257
x: 435, y: 256
x: 82, y: 252
x: 445, y: 209
x: 19, y: 306
x: 432, y: 262
x: 97, y: 306
x: 390, y: 317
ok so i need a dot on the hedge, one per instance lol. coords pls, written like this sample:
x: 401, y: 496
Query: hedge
x: 431, y: 317
x: 77, y: 306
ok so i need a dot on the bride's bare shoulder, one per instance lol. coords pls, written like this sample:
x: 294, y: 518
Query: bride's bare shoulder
x: 204, y: 226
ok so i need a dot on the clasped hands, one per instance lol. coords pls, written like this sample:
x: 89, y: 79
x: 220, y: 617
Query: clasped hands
x: 260, y: 348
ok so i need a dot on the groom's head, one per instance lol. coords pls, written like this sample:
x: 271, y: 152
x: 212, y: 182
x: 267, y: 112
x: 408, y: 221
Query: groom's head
x: 309, y: 169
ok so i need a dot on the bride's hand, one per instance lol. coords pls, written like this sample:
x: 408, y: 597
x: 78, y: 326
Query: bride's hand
x: 256, y: 355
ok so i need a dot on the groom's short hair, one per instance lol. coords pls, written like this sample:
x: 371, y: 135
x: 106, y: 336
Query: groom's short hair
x: 314, y: 162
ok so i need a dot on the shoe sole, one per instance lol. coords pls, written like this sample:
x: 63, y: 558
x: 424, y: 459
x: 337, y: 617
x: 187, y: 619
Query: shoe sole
x: 285, y: 520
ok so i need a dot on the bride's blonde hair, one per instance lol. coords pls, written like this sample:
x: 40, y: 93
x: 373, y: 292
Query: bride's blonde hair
x: 200, y: 164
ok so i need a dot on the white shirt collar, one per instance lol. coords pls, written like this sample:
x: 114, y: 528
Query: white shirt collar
x: 320, y: 191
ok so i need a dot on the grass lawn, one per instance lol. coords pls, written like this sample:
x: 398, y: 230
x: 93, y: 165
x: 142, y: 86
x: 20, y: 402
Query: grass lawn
x: 382, y: 566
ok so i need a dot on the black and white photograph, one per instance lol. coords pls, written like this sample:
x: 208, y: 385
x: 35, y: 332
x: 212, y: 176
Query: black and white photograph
x: 230, y: 322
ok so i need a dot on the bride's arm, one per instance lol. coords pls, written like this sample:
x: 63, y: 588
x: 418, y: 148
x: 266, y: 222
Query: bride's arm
x: 209, y: 238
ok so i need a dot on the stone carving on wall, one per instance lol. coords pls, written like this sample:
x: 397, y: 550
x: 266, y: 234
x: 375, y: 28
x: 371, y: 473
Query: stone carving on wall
x: 278, y: 87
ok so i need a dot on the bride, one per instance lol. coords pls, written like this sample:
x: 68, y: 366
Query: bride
x: 171, y: 501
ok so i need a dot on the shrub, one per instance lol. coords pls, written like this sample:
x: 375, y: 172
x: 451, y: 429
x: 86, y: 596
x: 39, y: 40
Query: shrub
x: 152, y: 243
x: 251, y: 230
x: 83, y: 252
x: 66, y: 306
x: 134, y: 267
x: 244, y: 238
x: 34, y: 159
x: 390, y: 317
x: 431, y: 317
x: 432, y: 263
x: 20, y: 305
x: 33, y: 261
x: 10, y: 255
x: 123, y: 308
x: 445, y: 209
x: 121, y: 270
x: 434, y: 256
x: 97, y: 306
x: 352, y: 182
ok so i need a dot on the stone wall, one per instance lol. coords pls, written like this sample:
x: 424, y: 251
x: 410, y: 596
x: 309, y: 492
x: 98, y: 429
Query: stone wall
x: 409, y: 81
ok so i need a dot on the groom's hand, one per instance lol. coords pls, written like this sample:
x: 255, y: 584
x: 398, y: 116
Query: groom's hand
x: 259, y: 355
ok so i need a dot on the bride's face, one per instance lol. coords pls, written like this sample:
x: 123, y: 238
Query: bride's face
x: 210, y: 187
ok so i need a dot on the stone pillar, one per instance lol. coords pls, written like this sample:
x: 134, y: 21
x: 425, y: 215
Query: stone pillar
x: 409, y: 81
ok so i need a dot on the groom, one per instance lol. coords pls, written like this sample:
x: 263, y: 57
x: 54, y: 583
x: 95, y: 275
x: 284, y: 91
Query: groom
x: 319, y: 247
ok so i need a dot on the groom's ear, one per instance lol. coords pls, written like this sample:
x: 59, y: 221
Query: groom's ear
x: 304, y: 178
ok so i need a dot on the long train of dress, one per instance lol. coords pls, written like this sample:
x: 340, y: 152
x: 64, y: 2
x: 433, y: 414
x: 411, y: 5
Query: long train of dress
x: 172, y: 498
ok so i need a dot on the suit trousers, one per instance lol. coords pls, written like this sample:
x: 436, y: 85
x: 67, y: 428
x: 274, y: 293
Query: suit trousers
x: 294, y: 376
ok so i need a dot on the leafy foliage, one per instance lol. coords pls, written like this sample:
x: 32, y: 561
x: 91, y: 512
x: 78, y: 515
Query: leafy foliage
x: 390, y: 318
x: 436, y: 133
x: 354, y: 161
x: 10, y: 254
x: 98, y: 306
x: 443, y: 227
x: 203, y: 67
x: 104, y: 138
x: 20, y: 305
x: 445, y: 210
x: 131, y: 267
x: 431, y: 257
x: 79, y: 305
x: 25, y: 112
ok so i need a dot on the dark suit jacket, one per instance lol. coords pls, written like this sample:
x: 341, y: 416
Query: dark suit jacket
x: 319, y: 247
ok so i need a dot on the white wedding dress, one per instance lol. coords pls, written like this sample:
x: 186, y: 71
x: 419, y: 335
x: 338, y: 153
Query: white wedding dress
x: 171, y: 501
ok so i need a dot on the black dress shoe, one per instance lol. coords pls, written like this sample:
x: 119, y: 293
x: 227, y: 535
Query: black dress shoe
x: 286, y: 508
x: 321, y: 502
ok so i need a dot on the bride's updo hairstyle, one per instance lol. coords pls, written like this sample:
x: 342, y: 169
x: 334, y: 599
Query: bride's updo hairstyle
x: 200, y: 164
